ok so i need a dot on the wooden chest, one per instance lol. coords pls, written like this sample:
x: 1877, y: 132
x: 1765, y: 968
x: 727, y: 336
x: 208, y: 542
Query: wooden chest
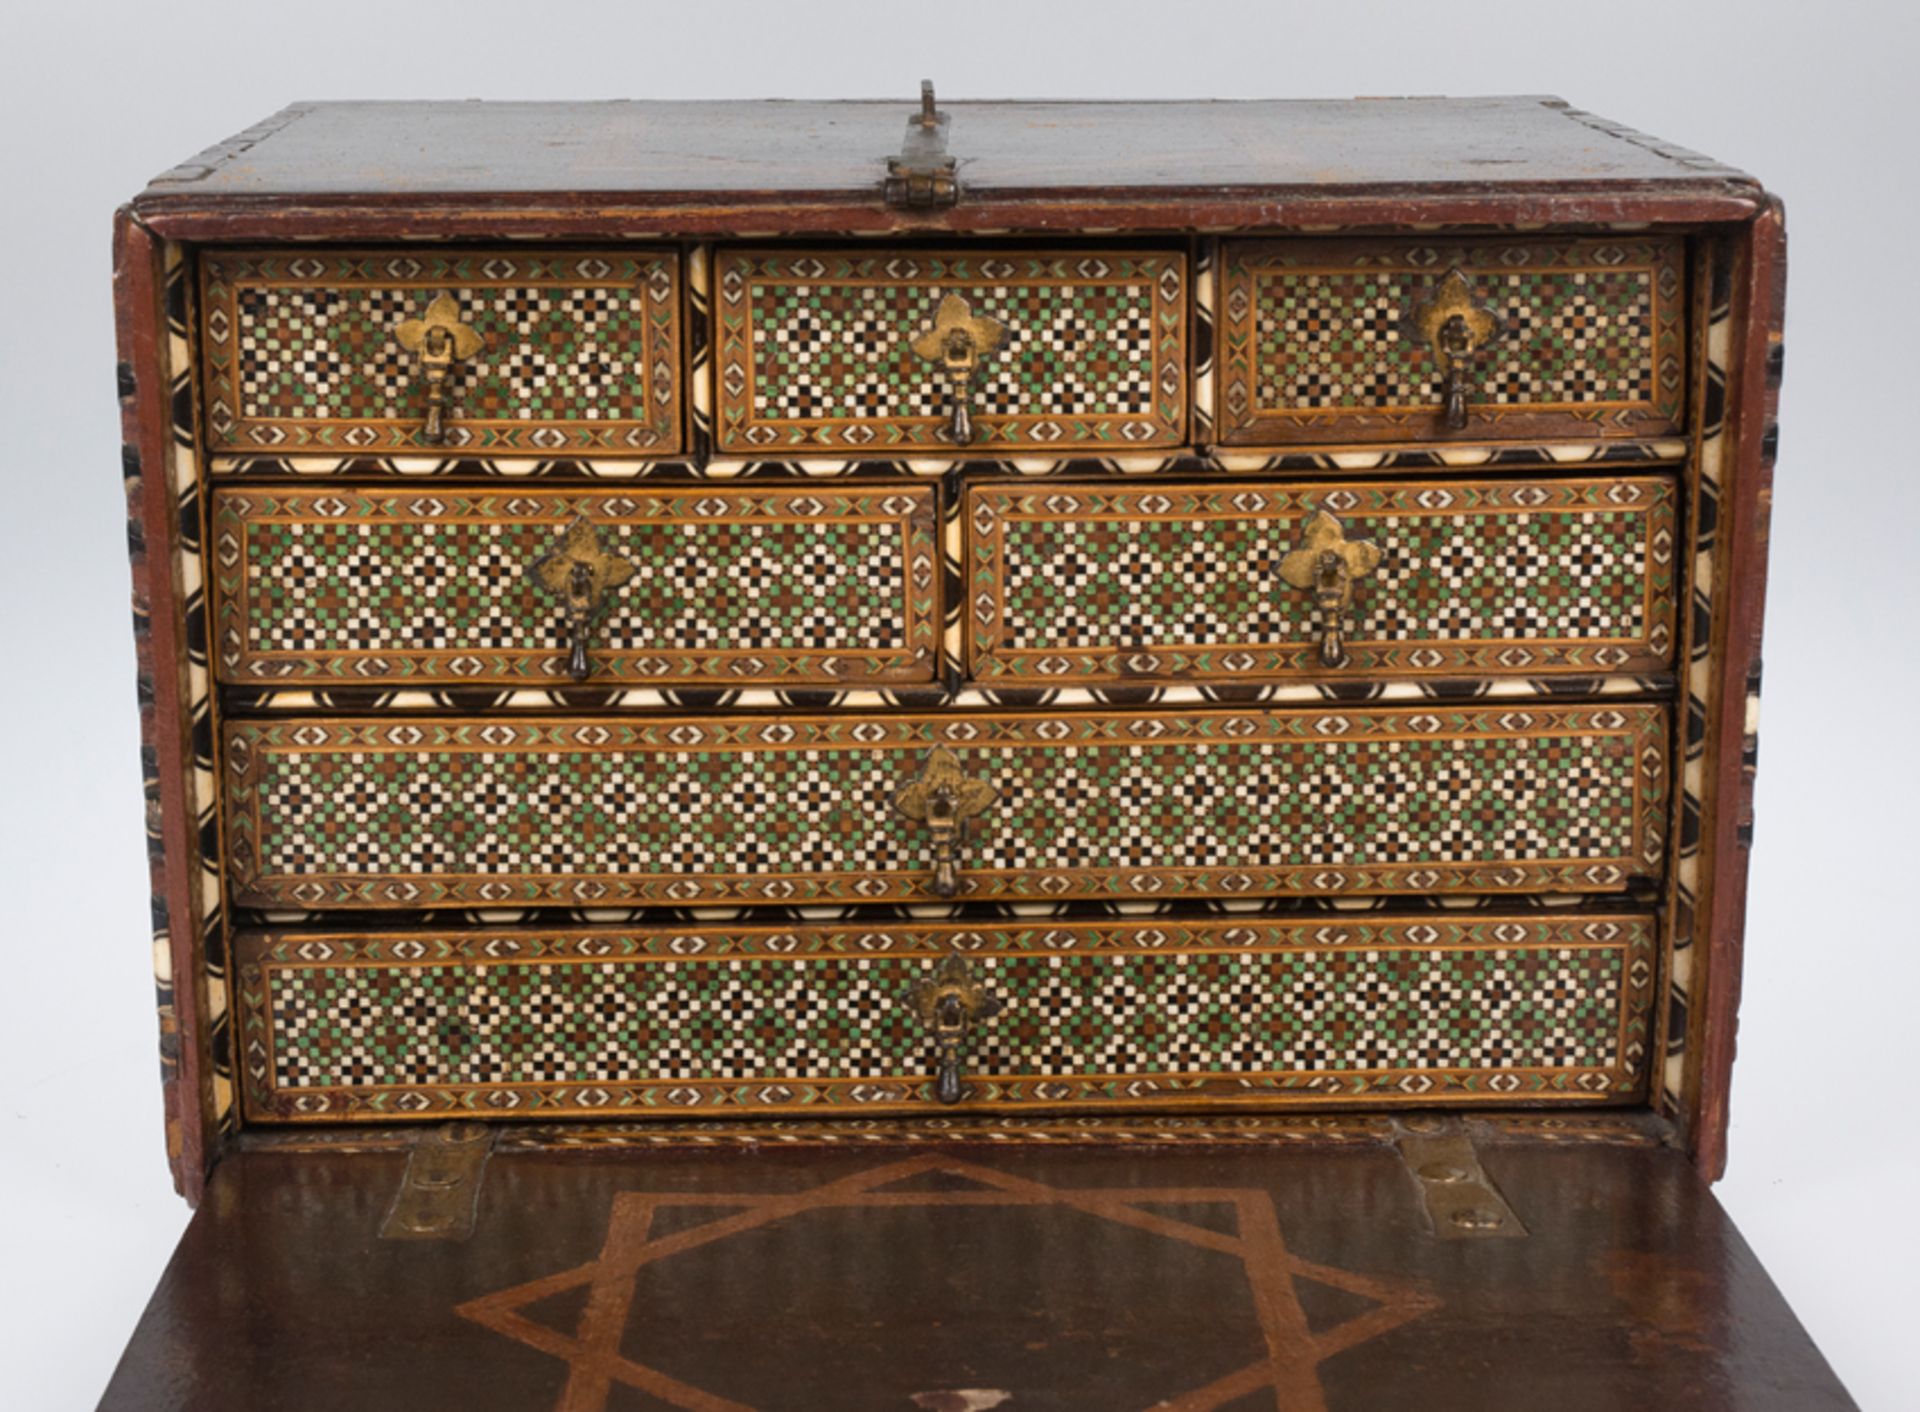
x: 1104, y: 763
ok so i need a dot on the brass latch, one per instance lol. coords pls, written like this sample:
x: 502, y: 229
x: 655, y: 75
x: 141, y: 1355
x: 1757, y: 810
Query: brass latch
x: 922, y: 176
x: 949, y: 1002
x: 943, y: 799
x: 441, y: 1188
x: 1328, y: 563
x: 439, y: 340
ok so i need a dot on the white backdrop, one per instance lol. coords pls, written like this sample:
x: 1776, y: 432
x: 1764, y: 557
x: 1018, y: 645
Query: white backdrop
x: 97, y: 97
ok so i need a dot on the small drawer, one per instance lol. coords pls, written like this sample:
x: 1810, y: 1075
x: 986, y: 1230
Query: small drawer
x: 900, y: 352
x: 1328, y: 341
x: 1329, y: 580
x: 684, y: 587
x: 654, y: 1022
x: 585, y: 811
x: 429, y: 351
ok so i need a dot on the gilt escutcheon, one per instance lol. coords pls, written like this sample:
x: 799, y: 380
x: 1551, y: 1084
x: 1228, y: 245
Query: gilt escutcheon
x: 439, y: 339
x: 944, y: 799
x: 1328, y: 564
x: 958, y: 340
x: 580, y: 573
x: 1458, y: 329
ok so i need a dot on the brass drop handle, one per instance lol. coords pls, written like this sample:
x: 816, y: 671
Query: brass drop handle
x: 439, y: 340
x: 949, y: 1003
x: 944, y: 799
x: 957, y: 342
x: 1458, y: 329
x: 1328, y: 564
x: 580, y: 574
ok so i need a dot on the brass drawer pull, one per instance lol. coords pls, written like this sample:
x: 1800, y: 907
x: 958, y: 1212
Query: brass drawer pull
x: 579, y: 573
x: 1328, y: 563
x: 943, y: 799
x: 958, y: 340
x: 1458, y: 329
x: 949, y: 1003
x: 439, y: 340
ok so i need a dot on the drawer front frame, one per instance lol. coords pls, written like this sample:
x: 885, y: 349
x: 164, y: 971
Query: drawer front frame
x: 1244, y: 419
x: 996, y: 655
x: 397, y: 813
x: 1550, y: 1008
x: 408, y: 278
x: 975, y: 275
x: 905, y: 514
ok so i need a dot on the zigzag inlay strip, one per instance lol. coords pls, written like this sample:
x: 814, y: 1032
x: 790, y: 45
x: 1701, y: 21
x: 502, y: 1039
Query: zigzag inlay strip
x: 815, y: 350
x: 582, y: 350
x: 801, y: 586
x: 1496, y: 578
x: 541, y: 1024
x: 582, y: 812
x: 1316, y: 343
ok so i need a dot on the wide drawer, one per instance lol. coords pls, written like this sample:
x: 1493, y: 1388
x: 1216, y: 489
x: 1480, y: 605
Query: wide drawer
x: 1354, y: 340
x: 870, y: 351
x: 472, y: 811
x: 353, y: 1026
x: 1409, y: 578
x: 693, y: 586
x: 428, y: 350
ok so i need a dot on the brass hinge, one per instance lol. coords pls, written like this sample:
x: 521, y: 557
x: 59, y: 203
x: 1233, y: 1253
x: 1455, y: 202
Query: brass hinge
x: 441, y: 1189
x: 922, y: 176
x: 1462, y: 1201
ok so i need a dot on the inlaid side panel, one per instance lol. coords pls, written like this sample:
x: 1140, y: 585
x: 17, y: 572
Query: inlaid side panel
x: 592, y: 811
x: 307, y: 350
x: 817, y: 350
x: 1496, y: 578
x: 834, y: 587
x: 631, y: 1023
x: 1328, y: 340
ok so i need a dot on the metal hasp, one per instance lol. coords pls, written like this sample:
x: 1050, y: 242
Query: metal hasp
x: 949, y: 1002
x: 1329, y: 564
x: 922, y: 176
x: 579, y: 573
x: 1458, y: 329
x: 441, y: 1188
x: 958, y: 340
x: 943, y: 799
x: 439, y: 340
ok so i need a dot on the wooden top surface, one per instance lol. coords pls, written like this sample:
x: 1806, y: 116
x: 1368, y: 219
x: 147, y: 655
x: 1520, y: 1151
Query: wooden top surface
x: 1022, y: 165
x: 1058, y: 1276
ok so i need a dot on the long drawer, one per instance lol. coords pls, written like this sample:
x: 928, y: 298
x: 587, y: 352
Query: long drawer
x: 436, y: 812
x: 1510, y: 577
x: 691, y: 586
x: 1546, y: 1007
